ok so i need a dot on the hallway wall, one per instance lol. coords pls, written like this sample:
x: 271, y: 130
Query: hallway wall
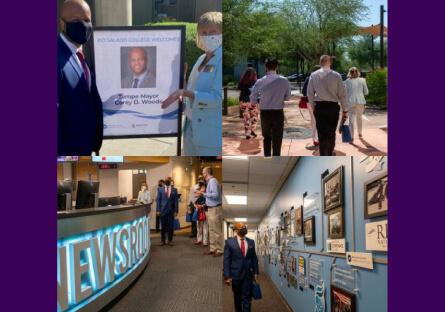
x: 306, y: 177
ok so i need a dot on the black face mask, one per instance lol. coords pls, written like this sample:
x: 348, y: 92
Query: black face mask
x: 78, y: 31
x: 242, y: 232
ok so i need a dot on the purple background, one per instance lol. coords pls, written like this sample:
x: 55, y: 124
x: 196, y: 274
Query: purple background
x: 28, y: 144
x: 28, y: 139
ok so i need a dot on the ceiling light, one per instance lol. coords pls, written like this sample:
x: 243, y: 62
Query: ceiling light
x: 236, y: 199
x: 237, y: 157
x: 240, y: 219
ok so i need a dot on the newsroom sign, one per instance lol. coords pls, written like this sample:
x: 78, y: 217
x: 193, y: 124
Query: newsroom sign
x: 90, y: 263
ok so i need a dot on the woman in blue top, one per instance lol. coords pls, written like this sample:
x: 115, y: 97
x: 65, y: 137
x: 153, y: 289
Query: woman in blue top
x: 202, y: 99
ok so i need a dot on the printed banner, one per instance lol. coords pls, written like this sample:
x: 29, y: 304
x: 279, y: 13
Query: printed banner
x: 136, y: 69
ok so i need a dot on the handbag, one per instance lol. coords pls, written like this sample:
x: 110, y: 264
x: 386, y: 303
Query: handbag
x: 201, y: 215
x: 195, y: 215
x: 303, y: 102
x: 256, y: 291
x: 346, y: 134
x: 188, y: 217
x: 176, y: 224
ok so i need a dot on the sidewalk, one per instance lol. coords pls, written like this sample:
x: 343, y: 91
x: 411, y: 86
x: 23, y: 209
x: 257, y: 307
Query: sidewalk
x: 298, y: 135
x: 138, y: 147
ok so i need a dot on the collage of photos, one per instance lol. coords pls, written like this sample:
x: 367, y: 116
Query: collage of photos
x: 222, y: 155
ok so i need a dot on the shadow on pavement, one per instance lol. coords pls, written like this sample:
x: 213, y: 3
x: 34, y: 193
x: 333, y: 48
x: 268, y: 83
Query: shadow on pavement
x: 250, y: 147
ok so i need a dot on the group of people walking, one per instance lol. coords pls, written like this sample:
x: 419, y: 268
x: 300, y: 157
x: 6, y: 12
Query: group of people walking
x: 325, y: 92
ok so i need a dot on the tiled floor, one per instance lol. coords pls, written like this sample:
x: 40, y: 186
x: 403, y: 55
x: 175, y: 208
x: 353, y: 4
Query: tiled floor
x: 177, y: 279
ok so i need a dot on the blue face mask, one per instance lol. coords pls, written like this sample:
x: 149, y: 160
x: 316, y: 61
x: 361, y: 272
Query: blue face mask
x: 78, y: 31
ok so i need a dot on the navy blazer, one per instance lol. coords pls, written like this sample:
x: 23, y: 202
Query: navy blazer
x: 236, y: 266
x: 167, y: 205
x: 79, y: 108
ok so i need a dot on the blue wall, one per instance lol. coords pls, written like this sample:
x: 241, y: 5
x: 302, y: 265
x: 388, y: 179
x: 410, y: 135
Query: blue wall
x: 306, y: 177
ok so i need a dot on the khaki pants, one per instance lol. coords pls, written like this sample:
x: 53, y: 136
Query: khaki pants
x: 355, y: 118
x: 214, y: 217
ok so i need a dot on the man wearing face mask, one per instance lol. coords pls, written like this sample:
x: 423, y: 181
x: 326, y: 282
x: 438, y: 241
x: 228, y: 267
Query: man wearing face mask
x: 79, y: 107
x: 240, y: 267
x: 167, y: 209
x: 203, y: 96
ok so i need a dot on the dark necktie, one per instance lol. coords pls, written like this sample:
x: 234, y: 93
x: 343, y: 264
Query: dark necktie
x: 86, y: 71
x: 243, y: 247
x: 135, y: 82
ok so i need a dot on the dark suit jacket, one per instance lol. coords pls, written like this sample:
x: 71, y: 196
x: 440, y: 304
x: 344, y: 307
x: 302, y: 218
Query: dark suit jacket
x: 236, y: 266
x: 79, y: 109
x: 167, y: 205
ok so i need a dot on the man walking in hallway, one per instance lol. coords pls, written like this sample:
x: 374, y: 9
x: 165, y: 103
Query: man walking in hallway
x: 270, y: 92
x: 214, y: 213
x: 325, y: 91
x: 240, y: 267
x: 167, y: 209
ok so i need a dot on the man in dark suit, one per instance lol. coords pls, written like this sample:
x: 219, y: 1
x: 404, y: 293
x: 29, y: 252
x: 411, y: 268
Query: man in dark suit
x: 167, y: 208
x: 79, y: 107
x: 240, y: 267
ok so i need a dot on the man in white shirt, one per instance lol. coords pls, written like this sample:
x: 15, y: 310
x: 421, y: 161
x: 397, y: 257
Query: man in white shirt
x: 325, y: 91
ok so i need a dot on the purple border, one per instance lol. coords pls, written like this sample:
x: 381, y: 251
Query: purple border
x: 28, y: 140
x: 29, y: 156
x: 416, y: 120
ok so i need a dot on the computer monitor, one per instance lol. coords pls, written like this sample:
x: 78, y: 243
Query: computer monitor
x: 109, y: 201
x: 87, y: 192
x: 64, y: 191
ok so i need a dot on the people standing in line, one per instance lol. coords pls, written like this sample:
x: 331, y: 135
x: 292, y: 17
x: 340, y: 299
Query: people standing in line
x: 311, y: 108
x: 270, y: 92
x: 202, y: 237
x: 79, y: 106
x: 161, y: 184
x: 250, y: 110
x: 214, y: 214
x: 325, y: 91
x: 356, y: 90
x: 167, y: 209
x: 203, y: 96
x: 240, y: 267
x: 144, y: 195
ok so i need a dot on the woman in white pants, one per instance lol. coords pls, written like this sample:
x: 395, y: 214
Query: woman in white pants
x: 202, y: 234
x: 356, y: 89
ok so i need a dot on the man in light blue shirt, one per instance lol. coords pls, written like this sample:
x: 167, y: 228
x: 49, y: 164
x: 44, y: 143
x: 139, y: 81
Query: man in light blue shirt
x: 270, y: 92
x: 214, y: 213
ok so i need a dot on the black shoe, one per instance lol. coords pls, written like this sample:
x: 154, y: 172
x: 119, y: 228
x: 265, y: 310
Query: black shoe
x: 253, y: 134
x: 247, y: 137
x: 162, y: 244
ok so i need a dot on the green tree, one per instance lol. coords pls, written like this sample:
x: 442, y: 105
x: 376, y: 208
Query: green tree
x: 192, y: 52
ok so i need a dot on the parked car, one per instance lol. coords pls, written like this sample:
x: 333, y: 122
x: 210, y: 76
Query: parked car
x: 297, y: 77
